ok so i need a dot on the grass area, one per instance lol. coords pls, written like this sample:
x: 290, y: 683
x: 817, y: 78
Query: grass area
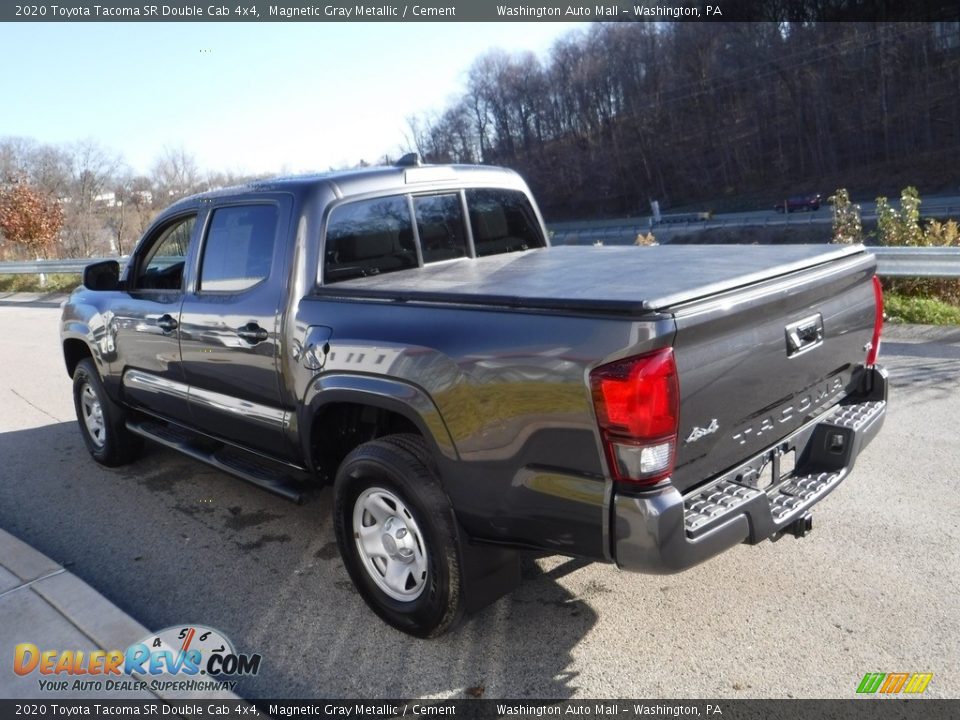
x: 31, y: 283
x: 923, y: 311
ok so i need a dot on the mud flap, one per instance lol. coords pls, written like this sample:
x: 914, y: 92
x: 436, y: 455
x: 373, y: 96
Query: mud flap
x: 489, y: 572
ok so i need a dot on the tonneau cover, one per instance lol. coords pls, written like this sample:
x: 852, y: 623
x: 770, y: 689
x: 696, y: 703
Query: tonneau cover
x: 600, y: 278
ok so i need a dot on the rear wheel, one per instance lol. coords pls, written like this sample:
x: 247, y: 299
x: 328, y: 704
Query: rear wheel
x: 102, y: 421
x: 398, y: 537
x: 390, y: 544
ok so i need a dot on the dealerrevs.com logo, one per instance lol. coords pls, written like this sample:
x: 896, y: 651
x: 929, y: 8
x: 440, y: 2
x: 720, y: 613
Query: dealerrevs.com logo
x: 182, y: 658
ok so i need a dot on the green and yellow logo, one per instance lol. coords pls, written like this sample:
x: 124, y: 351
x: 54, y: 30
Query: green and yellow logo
x: 893, y: 683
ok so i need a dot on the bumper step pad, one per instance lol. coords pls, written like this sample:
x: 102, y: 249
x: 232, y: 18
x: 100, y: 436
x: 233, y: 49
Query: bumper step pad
x: 714, y: 502
x: 724, y: 499
x: 857, y: 415
x: 800, y: 491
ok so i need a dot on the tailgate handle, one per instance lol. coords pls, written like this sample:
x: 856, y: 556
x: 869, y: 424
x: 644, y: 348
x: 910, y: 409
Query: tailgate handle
x: 804, y: 335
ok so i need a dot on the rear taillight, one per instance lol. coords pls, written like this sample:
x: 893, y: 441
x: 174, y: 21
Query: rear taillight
x: 877, y: 322
x: 637, y: 401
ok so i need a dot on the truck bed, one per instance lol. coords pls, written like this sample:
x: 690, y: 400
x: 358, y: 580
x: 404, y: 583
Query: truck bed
x: 731, y: 307
x: 594, y: 278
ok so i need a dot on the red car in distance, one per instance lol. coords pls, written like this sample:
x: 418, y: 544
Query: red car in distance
x: 800, y: 202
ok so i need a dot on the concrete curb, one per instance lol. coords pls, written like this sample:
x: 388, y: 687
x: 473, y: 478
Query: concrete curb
x: 35, y: 590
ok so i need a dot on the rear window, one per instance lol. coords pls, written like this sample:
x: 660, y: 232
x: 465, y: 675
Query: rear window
x: 443, y: 235
x: 376, y: 236
x: 369, y: 237
x: 502, y: 221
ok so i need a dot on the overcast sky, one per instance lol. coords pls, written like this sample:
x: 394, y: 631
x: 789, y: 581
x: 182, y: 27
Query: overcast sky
x: 252, y: 98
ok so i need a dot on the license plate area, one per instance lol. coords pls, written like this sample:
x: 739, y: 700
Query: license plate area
x: 770, y: 470
x: 788, y: 463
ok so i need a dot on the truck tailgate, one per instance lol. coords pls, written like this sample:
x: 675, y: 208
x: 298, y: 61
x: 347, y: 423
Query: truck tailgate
x: 757, y: 362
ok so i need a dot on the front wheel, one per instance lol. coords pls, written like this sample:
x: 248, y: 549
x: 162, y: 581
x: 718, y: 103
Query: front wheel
x: 398, y: 536
x: 102, y: 421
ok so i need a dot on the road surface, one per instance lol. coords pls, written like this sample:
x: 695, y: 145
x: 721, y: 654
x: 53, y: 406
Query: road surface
x: 876, y: 587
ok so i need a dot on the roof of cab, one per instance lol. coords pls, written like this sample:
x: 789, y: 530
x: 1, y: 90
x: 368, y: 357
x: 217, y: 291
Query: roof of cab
x: 345, y: 183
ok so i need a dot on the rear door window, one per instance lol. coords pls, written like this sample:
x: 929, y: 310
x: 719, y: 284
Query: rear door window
x: 369, y: 237
x: 502, y: 221
x: 239, y: 249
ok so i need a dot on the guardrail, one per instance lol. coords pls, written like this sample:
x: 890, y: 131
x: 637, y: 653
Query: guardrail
x: 39, y: 267
x: 932, y: 262
x: 939, y: 262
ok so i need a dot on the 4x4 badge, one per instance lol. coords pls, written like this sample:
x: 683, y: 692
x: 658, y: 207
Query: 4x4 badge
x: 698, y: 432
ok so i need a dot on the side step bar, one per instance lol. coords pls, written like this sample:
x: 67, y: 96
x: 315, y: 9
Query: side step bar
x: 222, y: 457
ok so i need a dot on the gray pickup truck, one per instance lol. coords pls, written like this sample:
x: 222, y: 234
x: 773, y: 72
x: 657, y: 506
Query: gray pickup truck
x: 408, y: 335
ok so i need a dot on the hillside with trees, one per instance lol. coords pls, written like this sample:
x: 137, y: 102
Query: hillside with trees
x: 732, y: 114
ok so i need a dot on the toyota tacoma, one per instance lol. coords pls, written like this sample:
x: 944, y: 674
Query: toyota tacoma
x: 407, y: 335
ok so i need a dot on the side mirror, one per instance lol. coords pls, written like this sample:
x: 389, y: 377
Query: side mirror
x: 104, y: 275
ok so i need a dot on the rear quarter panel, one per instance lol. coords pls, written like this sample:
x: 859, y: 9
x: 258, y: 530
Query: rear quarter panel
x: 511, y: 389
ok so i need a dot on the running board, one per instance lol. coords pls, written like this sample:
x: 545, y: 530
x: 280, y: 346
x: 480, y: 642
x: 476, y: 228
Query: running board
x: 222, y: 457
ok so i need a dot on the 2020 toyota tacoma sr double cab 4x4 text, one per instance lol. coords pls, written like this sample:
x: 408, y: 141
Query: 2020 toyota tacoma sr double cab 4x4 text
x: 408, y: 335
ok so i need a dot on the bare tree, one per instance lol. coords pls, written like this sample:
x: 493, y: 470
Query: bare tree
x: 51, y: 169
x: 91, y: 200
x: 175, y: 175
x: 15, y: 153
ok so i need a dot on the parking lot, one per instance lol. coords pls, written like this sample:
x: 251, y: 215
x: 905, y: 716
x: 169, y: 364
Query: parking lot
x: 875, y: 588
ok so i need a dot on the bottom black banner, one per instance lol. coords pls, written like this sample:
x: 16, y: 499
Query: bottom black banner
x: 855, y: 709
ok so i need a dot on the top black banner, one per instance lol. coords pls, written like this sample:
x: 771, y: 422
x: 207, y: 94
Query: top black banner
x: 485, y: 11
x: 199, y: 709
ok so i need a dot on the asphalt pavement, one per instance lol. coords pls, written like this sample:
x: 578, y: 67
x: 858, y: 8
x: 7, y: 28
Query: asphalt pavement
x: 168, y: 541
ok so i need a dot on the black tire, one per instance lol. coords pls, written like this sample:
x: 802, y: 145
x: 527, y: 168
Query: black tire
x: 109, y: 441
x: 398, y: 472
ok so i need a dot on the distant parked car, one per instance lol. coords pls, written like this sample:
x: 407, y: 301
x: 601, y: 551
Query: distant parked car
x: 800, y: 202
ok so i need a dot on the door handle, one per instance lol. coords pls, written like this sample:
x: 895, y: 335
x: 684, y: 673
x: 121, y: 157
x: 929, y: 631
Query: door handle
x: 253, y: 333
x: 167, y: 323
